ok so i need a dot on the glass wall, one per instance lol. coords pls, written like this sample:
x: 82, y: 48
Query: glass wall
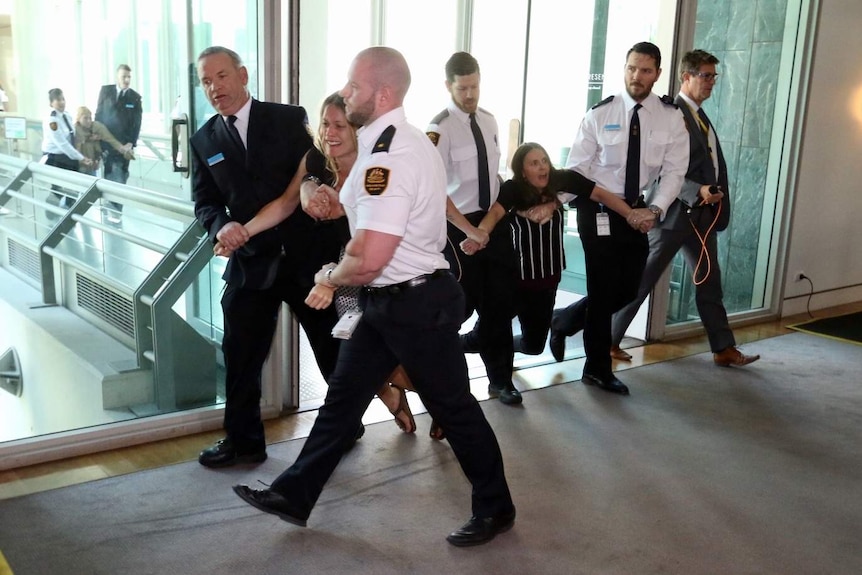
x: 68, y: 384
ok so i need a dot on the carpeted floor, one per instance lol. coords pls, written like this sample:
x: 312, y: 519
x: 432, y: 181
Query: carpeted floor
x: 847, y: 327
x: 701, y: 470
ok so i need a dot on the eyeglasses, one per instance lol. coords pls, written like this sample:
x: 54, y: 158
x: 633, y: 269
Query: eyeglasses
x: 708, y: 76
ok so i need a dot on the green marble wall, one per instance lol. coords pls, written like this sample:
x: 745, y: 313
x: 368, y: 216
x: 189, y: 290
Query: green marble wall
x: 746, y: 36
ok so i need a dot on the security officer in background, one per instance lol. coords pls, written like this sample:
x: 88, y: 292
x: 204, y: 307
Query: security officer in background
x: 395, y: 198
x: 624, y: 143
x: 58, y: 143
x: 467, y: 140
x: 119, y: 108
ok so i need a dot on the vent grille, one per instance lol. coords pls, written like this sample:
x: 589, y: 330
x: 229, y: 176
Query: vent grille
x: 111, y: 307
x: 24, y: 260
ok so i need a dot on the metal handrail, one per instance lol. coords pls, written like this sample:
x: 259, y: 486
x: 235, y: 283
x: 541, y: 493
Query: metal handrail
x: 155, y: 323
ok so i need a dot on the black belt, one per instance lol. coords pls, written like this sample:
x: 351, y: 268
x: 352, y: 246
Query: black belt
x: 411, y: 283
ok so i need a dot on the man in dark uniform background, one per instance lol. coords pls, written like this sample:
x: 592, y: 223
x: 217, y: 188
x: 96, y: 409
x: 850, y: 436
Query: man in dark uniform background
x: 119, y: 109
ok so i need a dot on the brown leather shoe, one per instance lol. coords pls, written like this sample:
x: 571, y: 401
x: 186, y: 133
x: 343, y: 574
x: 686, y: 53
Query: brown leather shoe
x: 732, y: 356
x: 617, y: 353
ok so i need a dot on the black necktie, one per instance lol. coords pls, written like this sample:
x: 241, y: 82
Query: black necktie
x: 484, y: 178
x: 704, y: 127
x: 633, y: 159
x: 234, y: 133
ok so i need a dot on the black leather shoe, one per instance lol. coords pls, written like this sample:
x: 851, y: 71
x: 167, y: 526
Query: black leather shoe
x: 224, y: 454
x: 481, y: 530
x: 558, y: 345
x: 611, y: 384
x: 269, y: 501
x: 508, y: 394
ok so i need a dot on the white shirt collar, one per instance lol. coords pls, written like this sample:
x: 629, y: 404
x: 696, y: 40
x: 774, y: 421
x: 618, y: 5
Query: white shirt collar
x: 690, y: 102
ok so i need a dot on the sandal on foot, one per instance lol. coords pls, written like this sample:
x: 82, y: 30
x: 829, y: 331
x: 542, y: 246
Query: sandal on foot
x: 404, y: 407
x: 436, y: 431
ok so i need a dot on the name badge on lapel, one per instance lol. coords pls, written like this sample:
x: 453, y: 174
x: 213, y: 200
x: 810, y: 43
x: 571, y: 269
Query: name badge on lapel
x: 213, y: 160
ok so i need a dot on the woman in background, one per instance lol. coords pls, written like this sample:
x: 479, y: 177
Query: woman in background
x: 88, y: 137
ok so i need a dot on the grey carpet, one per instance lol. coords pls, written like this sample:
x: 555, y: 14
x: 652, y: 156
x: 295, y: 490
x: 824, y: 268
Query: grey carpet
x: 701, y: 470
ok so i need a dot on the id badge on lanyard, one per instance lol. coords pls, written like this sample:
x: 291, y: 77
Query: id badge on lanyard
x: 603, y: 223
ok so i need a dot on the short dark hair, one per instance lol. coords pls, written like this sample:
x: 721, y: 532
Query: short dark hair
x: 692, y: 61
x: 648, y: 49
x: 461, y: 64
x: 54, y: 94
x: 237, y: 61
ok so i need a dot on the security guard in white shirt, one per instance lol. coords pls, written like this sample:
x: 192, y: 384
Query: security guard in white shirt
x: 395, y: 202
x: 58, y: 138
x: 467, y: 139
x: 633, y: 129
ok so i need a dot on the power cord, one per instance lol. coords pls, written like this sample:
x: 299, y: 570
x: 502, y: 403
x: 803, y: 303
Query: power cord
x: 810, y: 294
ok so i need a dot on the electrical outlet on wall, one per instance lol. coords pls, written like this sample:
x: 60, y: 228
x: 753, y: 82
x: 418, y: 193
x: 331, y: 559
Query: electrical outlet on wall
x: 799, y: 276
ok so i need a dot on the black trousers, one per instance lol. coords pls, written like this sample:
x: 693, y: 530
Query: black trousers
x: 614, y: 266
x: 534, y: 309
x: 417, y: 328
x: 64, y: 197
x: 116, y: 170
x: 250, y: 318
x: 488, y: 280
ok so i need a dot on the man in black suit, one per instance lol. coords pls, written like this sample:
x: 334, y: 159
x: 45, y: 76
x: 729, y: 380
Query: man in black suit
x: 242, y: 158
x: 700, y: 211
x: 119, y: 109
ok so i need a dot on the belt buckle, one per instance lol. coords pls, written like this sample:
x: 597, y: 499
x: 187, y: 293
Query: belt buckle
x: 417, y: 281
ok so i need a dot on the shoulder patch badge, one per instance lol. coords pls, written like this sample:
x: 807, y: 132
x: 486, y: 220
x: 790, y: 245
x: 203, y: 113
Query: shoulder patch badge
x: 53, y: 126
x: 376, y: 180
x: 434, y: 137
x: 603, y: 102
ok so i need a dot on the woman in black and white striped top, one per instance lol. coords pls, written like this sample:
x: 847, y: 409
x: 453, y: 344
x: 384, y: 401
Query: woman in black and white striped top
x: 536, y: 221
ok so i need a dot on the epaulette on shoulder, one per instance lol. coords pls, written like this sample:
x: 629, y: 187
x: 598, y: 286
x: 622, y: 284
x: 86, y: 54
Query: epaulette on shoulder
x: 668, y: 101
x: 439, y: 117
x: 53, y: 112
x: 384, y: 141
x: 603, y: 102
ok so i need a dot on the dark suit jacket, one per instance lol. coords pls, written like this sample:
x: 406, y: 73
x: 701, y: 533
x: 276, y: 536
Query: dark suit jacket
x: 229, y: 184
x: 700, y: 172
x: 121, y: 114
